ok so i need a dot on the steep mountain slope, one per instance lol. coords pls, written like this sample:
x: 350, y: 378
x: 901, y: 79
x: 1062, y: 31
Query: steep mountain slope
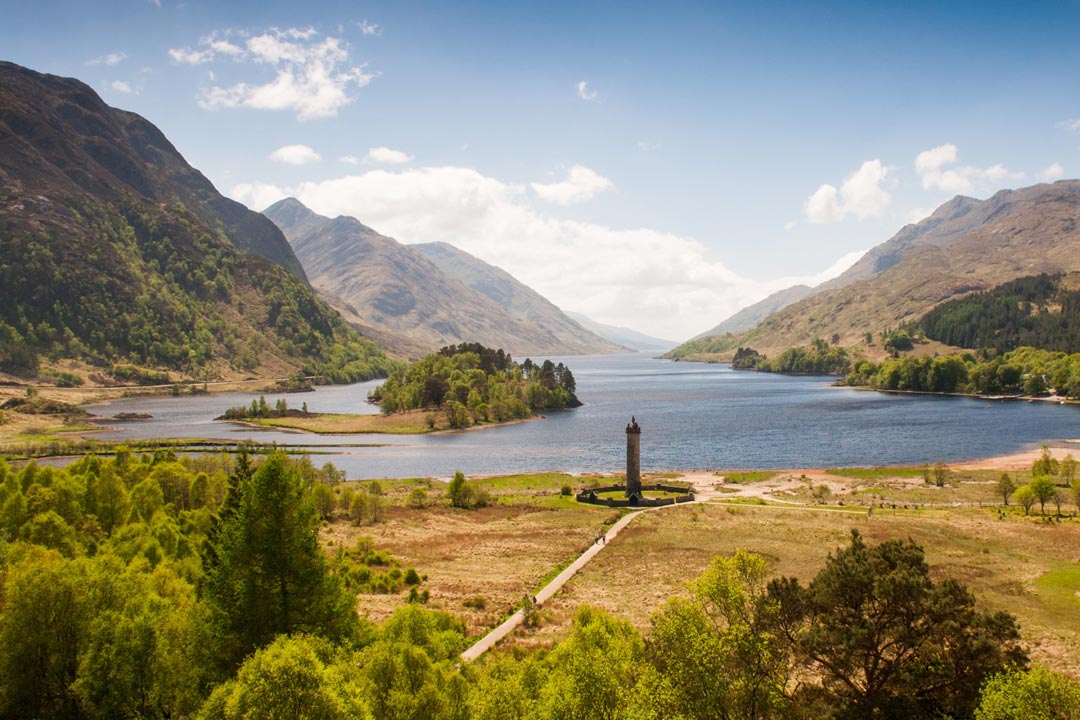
x: 966, y: 245
x: 114, y: 249
x: 516, y: 298
x: 396, y: 289
x: 751, y: 315
x: 624, y: 336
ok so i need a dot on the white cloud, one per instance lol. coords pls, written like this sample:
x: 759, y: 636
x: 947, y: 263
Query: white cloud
x: 660, y: 283
x: 312, y: 76
x: 387, y: 156
x: 121, y: 86
x: 932, y: 160
x: 584, y: 92
x: 187, y: 56
x: 258, y: 196
x: 295, y: 155
x: 822, y: 207
x: 155, y: 3
x: 367, y: 28
x: 1072, y: 124
x: 861, y: 195
x: 1052, y: 173
x: 790, y: 225
x: 581, y: 184
x: 113, y: 58
x: 934, y: 168
x: 351, y: 159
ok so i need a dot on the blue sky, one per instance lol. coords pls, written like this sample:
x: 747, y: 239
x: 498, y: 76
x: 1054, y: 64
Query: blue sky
x: 715, y: 153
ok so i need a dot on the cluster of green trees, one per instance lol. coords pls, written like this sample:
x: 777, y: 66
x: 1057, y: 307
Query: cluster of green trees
x: 1024, y: 370
x: 1035, y: 311
x: 1052, y: 481
x: 132, y: 587
x: 261, y: 409
x: 157, y: 288
x: 819, y: 358
x: 474, y: 384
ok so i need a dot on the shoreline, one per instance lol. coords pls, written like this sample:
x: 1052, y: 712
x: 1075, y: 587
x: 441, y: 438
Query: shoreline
x: 261, y: 424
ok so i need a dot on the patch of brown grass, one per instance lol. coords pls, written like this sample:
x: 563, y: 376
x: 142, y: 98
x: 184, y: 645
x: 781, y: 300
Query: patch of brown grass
x: 999, y: 561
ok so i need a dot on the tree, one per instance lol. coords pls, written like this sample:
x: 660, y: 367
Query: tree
x: 294, y: 677
x: 1033, y: 695
x: 1025, y: 497
x: 1006, y: 487
x: 460, y: 491
x: 1068, y: 469
x: 267, y: 575
x: 325, y: 502
x: 1044, y: 489
x: 940, y: 472
x: 1074, y: 486
x: 1046, y: 464
x: 593, y: 671
x: 418, y: 498
x: 886, y: 640
x: 717, y: 655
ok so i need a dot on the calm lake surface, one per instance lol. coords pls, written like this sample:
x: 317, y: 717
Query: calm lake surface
x: 693, y: 416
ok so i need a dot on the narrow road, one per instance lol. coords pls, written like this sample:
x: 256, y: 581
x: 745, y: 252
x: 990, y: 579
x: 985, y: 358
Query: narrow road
x: 492, y: 638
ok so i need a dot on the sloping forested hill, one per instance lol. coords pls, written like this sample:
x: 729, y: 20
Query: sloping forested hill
x: 1041, y: 311
x: 114, y: 249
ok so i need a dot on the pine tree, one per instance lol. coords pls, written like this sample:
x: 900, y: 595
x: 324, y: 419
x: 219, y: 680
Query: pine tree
x: 266, y: 574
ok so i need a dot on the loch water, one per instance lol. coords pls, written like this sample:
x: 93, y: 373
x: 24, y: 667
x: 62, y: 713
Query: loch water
x: 693, y: 416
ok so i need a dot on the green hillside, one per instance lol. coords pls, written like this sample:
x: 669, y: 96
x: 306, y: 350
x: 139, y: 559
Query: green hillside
x: 113, y: 250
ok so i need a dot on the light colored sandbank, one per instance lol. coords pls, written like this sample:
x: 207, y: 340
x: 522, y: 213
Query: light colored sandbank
x: 410, y: 422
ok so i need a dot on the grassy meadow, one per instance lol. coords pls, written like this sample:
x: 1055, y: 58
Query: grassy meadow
x: 479, y: 563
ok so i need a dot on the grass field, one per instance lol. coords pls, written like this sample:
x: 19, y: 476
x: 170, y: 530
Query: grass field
x: 491, y: 557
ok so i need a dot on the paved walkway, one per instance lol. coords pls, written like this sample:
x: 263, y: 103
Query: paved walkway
x: 492, y: 638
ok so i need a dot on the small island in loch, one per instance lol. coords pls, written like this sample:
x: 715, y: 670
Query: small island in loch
x: 460, y: 387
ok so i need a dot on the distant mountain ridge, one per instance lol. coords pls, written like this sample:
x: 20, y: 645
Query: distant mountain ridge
x: 429, y: 295
x: 964, y: 246
x: 624, y: 336
x: 751, y: 315
x: 114, y: 249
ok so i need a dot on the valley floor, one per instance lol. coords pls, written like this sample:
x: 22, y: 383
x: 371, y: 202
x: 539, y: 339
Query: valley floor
x: 481, y: 563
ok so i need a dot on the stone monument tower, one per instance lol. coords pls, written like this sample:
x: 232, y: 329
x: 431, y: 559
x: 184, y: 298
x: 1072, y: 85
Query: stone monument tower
x: 633, y: 458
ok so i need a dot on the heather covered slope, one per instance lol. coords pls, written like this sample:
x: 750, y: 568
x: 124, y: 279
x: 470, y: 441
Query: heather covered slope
x: 966, y: 245
x: 114, y: 250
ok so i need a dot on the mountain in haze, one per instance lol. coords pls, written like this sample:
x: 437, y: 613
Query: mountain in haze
x: 114, y: 250
x: 964, y: 246
x: 624, y: 336
x: 429, y: 296
x: 751, y: 315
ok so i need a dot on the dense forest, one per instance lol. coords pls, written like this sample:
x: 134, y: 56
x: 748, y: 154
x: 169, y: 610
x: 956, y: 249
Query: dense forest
x: 1023, y: 371
x: 1037, y: 311
x: 188, y: 300
x: 819, y: 358
x: 472, y: 384
x: 152, y: 587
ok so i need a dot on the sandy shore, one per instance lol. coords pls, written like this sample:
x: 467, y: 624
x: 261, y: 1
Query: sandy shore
x: 1020, y: 460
